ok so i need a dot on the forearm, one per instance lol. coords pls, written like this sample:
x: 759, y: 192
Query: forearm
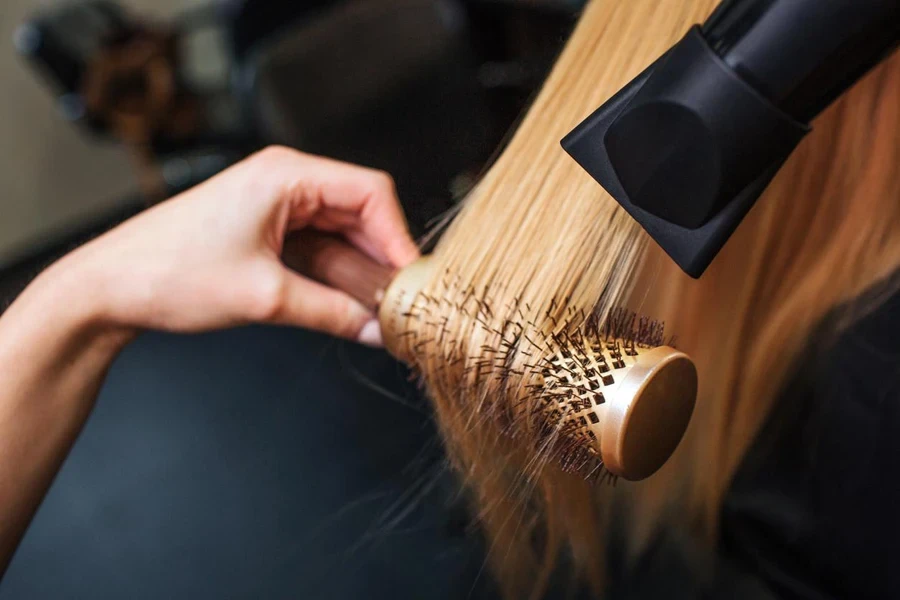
x: 205, y: 260
x: 55, y: 349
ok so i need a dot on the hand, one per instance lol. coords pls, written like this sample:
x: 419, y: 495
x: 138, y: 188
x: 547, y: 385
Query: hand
x: 210, y: 258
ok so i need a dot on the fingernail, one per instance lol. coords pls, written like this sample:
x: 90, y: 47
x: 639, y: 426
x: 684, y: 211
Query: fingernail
x: 370, y: 334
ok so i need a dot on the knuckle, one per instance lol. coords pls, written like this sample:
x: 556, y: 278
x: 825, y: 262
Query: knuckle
x: 267, y: 296
x: 384, y: 182
x: 274, y: 155
x: 346, y: 319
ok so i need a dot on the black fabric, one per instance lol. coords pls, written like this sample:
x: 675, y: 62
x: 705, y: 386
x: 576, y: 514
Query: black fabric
x: 254, y: 463
x: 813, y: 511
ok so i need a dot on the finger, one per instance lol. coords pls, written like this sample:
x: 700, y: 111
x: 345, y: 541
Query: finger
x: 334, y: 220
x: 306, y: 303
x: 382, y: 227
x: 347, y: 223
x: 312, y: 183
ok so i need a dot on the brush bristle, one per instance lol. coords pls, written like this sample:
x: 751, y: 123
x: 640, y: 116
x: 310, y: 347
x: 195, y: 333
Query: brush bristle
x: 552, y: 370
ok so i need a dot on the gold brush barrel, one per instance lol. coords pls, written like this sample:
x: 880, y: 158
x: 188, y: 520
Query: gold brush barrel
x: 625, y: 403
x: 619, y: 402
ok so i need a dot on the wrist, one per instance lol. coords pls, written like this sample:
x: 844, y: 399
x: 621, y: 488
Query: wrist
x: 75, y: 297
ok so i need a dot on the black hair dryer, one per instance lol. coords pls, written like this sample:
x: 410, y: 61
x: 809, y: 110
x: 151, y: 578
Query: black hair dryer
x: 690, y: 144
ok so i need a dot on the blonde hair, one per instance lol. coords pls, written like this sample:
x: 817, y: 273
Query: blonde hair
x: 538, y: 241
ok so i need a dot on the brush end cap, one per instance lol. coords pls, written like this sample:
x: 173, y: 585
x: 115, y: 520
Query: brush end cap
x: 652, y: 410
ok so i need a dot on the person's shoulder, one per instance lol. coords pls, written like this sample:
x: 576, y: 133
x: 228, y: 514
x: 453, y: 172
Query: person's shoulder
x: 810, y: 506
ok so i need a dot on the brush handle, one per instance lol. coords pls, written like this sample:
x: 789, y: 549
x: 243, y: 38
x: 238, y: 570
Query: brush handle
x: 330, y: 260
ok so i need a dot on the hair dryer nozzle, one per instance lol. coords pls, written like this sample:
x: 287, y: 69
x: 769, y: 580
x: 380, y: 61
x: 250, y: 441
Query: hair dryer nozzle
x: 686, y: 148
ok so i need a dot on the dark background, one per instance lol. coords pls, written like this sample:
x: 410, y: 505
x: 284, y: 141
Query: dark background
x: 265, y: 462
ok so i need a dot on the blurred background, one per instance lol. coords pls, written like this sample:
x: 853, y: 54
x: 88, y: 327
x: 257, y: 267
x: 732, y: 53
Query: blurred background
x: 257, y: 462
x: 109, y: 106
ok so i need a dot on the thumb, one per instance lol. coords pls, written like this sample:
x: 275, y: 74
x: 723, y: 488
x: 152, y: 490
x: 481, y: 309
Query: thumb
x: 312, y: 305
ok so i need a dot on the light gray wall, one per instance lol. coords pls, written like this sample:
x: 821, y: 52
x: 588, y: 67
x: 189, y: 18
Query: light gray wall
x: 52, y: 176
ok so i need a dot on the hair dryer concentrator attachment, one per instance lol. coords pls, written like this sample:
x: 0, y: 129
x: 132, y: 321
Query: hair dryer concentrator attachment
x: 689, y: 145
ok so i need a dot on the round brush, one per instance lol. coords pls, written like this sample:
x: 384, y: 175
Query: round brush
x: 609, y: 396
